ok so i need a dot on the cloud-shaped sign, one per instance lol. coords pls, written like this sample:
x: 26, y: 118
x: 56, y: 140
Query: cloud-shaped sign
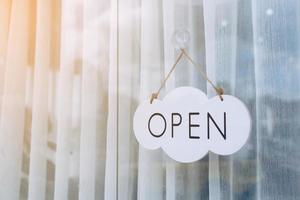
x: 186, y: 124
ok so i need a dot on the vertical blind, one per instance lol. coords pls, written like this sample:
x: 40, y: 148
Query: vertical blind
x: 72, y: 73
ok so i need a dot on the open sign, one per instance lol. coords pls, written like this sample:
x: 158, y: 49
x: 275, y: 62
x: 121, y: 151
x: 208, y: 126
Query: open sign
x: 186, y: 124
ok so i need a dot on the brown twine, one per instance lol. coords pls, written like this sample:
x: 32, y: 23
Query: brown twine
x: 218, y: 90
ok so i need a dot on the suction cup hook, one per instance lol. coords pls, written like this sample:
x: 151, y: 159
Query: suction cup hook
x: 181, y: 38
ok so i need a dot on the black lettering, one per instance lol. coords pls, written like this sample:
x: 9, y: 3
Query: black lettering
x: 209, y: 117
x: 177, y: 124
x: 193, y: 125
x: 158, y: 135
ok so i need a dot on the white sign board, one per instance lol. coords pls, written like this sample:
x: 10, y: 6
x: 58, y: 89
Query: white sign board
x: 186, y: 124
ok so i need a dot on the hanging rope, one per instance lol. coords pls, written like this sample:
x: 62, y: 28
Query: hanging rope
x: 218, y: 90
